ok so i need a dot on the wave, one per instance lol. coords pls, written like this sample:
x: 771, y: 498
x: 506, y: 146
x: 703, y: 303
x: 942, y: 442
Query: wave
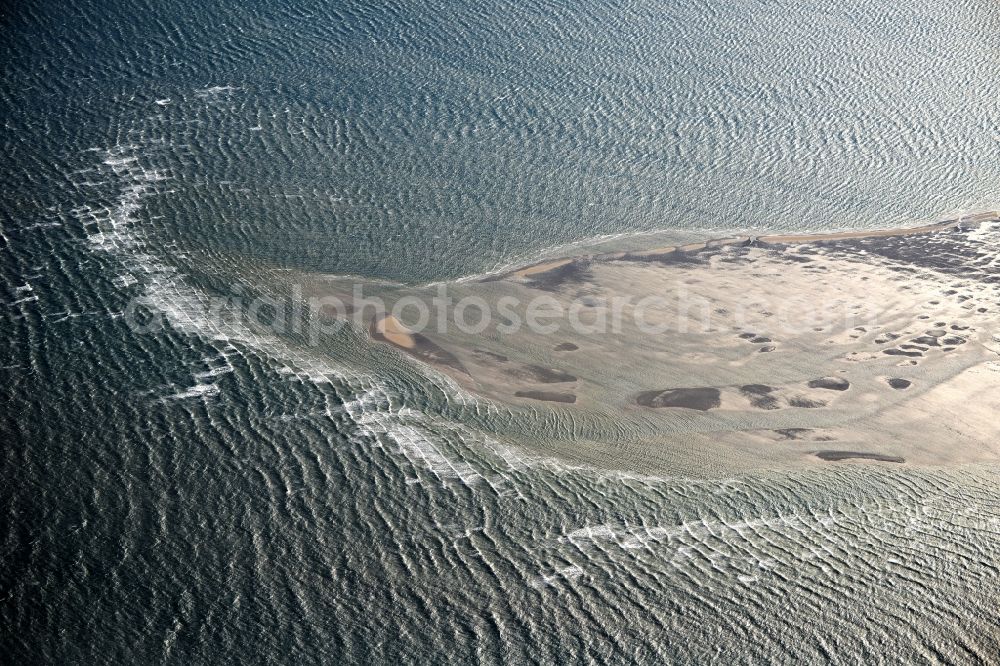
x: 368, y: 403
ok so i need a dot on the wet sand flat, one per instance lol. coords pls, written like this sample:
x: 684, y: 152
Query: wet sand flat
x: 716, y: 348
x: 701, y: 399
x: 835, y: 456
x: 547, y: 396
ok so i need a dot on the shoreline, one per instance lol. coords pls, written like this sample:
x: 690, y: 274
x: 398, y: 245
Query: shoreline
x: 543, y: 266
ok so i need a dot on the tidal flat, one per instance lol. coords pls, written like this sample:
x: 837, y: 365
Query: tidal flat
x: 735, y: 354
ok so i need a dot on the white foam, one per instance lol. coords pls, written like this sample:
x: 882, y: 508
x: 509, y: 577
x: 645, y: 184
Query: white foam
x: 565, y: 573
x: 640, y: 536
x: 41, y: 225
x: 215, y: 91
x: 214, y: 372
x: 188, y: 310
x: 196, y: 391
x: 125, y: 280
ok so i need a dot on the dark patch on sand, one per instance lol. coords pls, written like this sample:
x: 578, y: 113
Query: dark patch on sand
x: 435, y: 354
x: 565, y: 346
x: 758, y: 395
x: 802, y: 434
x: 423, y: 349
x: 834, y: 456
x: 702, y: 399
x: 574, y: 272
x: 764, y: 402
x: 900, y: 352
x: 806, y: 403
x: 793, y: 433
x: 945, y: 250
x: 830, y: 383
x: 900, y: 384
x: 488, y: 355
x: 547, y: 396
x: 789, y: 257
x: 673, y: 257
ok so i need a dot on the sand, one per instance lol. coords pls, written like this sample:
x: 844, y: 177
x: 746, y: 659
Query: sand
x: 836, y: 456
x: 547, y: 396
x: 812, y: 238
x: 854, y: 348
x: 389, y: 329
x: 701, y: 399
x: 541, y: 268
